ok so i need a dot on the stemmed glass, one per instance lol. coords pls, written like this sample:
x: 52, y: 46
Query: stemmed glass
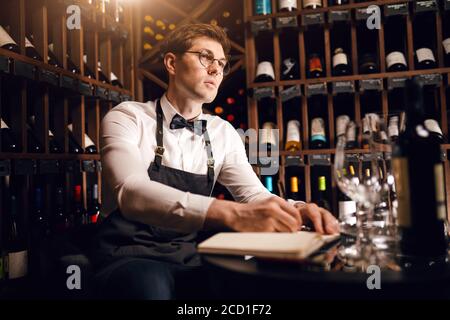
x: 367, y: 182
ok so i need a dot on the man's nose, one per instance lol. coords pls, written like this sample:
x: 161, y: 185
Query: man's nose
x: 214, y: 68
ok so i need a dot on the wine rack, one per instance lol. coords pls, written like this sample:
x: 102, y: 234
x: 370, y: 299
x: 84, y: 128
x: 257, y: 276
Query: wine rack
x: 298, y: 31
x: 91, y: 44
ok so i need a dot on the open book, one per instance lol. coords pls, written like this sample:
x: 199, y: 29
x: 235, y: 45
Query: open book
x: 297, y: 245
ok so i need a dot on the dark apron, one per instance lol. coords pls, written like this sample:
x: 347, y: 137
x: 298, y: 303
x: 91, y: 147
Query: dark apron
x: 119, y: 237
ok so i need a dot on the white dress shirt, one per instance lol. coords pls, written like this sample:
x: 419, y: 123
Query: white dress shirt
x: 127, y: 148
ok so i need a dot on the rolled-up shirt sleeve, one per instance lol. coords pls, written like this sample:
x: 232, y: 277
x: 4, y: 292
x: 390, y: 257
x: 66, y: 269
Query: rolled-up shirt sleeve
x: 138, y: 197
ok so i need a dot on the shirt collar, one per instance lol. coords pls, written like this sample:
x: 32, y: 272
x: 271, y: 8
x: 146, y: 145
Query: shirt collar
x: 169, y: 111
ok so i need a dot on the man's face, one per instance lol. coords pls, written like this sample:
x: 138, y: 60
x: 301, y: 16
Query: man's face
x: 192, y: 79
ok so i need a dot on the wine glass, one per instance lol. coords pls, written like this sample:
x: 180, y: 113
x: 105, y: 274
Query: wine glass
x: 366, y: 181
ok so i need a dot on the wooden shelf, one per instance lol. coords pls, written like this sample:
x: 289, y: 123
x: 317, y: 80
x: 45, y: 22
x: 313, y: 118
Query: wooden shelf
x: 49, y: 156
x: 358, y: 77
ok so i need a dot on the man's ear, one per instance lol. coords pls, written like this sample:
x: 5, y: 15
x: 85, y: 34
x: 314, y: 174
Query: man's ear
x: 169, y: 62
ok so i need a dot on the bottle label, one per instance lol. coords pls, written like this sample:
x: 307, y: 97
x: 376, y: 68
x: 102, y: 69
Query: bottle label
x: 263, y: 7
x: 288, y: 65
x: 17, y: 264
x: 268, y: 134
x: 341, y: 124
x: 441, y: 211
x: 340, y: 58
x: 315, y: 64
x: 288, y: 4
x: 293, y: 131
x: 28, y: 44
x: 5, y: 38
x: 318, y: 127
x: 351, y: 133
x: 393, y: 130
x: 400, y: 168
x: 425, y: 54
x: 446, y: 44
x: 394, y: 58
x: 433, y: 126
x: 87, y: 141
x: 312, y: 3
x: 3, y: 125
x: 265, y: 67
x: 347, y: 211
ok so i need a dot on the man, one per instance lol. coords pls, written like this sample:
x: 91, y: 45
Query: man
x: 160, y: 161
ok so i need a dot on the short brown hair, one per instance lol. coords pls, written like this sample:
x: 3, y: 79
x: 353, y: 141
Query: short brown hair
x: 182, y: 37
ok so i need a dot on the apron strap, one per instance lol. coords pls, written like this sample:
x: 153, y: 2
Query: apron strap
x: 159, y: 151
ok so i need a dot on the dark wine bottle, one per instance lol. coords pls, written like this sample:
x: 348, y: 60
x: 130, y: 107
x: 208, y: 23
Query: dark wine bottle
x: 9, y: 141
x: 78, y: 214
x: 94, y: 206
x: 419, y: 178
x: 289, y: 69
x: 31, y: 51
x: 293, y: 188
x: 115, y: 81
x: 7, y: 42
x: 17, y: 243
x: 395, y: 44
x: 60, y: 219
x: 315, y: 66
x: 322, y: 197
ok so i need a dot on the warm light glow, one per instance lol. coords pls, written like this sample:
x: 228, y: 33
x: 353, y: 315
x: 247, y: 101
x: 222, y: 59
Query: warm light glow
x: 147, y: 46
x: 230, y: 118
x: 226, y: 14
x: 213, y: 22
x: 230, y: 100
x: 218, y: 110
x: 160, y: 24
x: 148, y: 18
x: 159, y: 37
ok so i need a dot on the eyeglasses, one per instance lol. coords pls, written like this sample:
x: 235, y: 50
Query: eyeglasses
x: 206, y: 58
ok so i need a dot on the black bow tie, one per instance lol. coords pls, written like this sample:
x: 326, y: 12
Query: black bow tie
x: 197, y: 126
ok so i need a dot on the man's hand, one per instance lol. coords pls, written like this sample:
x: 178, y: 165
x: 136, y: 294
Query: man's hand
x: 269, y: 215
x: 322, y: 220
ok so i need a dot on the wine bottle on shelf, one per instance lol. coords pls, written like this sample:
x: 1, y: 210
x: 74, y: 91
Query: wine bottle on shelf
x: 268, y: 137
x: 74, y: 147
x: 7, y: 42
x: 342, y: 122
x: 289, y: 69
x: 115, y: 81
x: 367, y: 50
x: 419, y: 179
x: 263, y: 7
x: 94, y: 206
x: 52, y: 59
x: 365, y: 134
x: 90, y: 147
x: 265, y: 72
x: 287, y: 5
x: 33, y: 144
x: 101, y: 76
x: 322, y: 197
x: 337, y: 2
x: 315, y: 66
x: 60, y: 219
x: 39, y: 218
x: 87, y: 71
x: 293, y: 142
x: 341, y: 66
x: 424, y: 28
x: 16, y: 244
x: 78, y: 214
x: 31, y: 51
x: 346, y: 206
x: 435, y: 130
x: 53, y: 144
x: 318, y: 136
x: 293, y: 188
x: 271, y: 183
x: 312, y: 4
x: 393, y: 128
x: 395, y: 44
x: 9, y: 141
x: 446, y: 44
